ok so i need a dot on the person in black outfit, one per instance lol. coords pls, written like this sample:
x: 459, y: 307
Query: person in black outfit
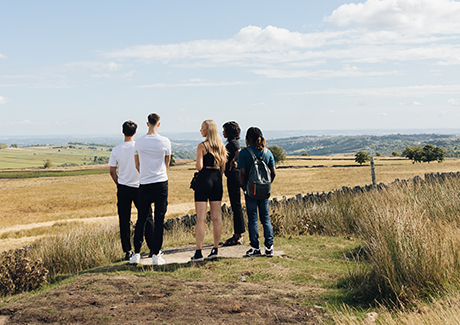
x: 210, y: 162
x: 231, y: 131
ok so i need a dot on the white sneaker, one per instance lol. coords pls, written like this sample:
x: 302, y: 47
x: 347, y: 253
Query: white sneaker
x: 135, y: 259
x: 158, y: 260
x: 269, y: 251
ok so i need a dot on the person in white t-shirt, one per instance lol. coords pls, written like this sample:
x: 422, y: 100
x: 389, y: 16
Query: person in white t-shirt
x: 127, y: 181
x: 152, y: 154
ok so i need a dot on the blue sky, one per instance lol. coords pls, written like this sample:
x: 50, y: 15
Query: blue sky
x: 84, y: 67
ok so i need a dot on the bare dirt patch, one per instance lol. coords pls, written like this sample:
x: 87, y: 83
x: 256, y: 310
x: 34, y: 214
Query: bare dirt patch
x: 137, y: 299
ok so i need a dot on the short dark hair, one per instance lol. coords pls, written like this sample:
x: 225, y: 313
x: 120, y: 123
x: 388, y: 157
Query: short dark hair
x: 129, y: 128
x: 232, y: 130
x: 153, y: 118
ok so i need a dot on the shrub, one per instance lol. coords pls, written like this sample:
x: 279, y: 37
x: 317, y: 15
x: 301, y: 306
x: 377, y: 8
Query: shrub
x: 361, y: 157
x: 278, y: 153
x: 47, y: 163
x: 19, y: 273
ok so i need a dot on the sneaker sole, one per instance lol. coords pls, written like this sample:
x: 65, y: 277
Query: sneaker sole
x: 197, y: 259
x: 214, y: 257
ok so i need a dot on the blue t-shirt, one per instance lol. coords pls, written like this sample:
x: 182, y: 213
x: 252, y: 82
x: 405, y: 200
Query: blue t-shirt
x: 245, y: 160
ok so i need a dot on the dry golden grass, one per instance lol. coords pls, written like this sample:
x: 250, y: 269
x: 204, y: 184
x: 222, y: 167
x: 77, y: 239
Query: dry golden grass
x: 292, y: 181
x: 438, y: 313
x: 28, y: 201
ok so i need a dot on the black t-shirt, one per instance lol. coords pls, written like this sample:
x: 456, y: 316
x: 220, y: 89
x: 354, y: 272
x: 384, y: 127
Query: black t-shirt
x: 232, y: 147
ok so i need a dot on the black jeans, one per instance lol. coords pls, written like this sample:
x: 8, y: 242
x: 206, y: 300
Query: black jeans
x: 126, y: 196
x: 234, y: 193
x: 156, y: 193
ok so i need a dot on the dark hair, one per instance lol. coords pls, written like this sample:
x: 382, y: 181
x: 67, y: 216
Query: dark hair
x: 153, y: 119
x: 129, y: 128
x: 254, y: 136
x: 232, y: 130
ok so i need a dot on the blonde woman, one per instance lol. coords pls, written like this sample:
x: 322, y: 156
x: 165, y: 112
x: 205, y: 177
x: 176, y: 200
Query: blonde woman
x: 211, y: 156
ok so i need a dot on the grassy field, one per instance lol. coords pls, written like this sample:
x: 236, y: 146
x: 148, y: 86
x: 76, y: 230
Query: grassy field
x: 34, y: 157
x: 56, y: 199
x: 379, y: 257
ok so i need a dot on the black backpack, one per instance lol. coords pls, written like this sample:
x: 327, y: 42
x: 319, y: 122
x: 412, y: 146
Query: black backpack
x: 259, y: 178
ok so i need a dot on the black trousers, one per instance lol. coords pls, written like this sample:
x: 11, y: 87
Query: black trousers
x: 156, y: 193
x: 126, y: 196
x: 234, y: 193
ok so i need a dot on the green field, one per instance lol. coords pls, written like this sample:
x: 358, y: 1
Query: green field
x: 34, y: 157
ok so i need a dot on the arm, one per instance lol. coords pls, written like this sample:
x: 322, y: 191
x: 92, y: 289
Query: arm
x: 273, y: 173
x: 234, y: 160
x: 167, y: 161
x: 199, y: 156
x: 113, y: 173
x: 137, y: 163
x: 243, y: 176
x: 222, y: 169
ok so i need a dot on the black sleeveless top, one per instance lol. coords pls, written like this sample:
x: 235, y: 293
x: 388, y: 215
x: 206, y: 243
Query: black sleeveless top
x: 208, y: 159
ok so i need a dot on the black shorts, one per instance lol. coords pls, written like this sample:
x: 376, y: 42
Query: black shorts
x: 209, y: 186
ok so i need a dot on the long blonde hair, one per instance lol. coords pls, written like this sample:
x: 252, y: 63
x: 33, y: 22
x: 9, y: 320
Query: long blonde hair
x: 214, y: 144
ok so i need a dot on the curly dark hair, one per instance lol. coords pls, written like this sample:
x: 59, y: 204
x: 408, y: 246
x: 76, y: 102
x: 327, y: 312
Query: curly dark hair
x: 232, y: 130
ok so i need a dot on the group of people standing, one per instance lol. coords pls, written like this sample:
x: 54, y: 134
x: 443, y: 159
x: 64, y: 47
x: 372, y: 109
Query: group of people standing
x: 139, y: 169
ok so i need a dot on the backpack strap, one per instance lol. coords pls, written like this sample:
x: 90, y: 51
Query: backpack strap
x: 264, y: 152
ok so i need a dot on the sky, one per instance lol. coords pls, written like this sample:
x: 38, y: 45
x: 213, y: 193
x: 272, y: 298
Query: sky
x: 84, y: 67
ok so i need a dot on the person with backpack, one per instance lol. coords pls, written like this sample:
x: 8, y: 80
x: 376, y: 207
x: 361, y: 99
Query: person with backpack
x: 257, y: 171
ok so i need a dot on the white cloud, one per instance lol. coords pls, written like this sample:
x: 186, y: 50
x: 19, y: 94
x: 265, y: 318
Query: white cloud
x: 28, y: 122
x: 347, y: 71
x: 90, y: 65
x: 4, y: 100
x: 275, y: 47
x: 454, y: 102
x: 258, y: 104
x: 414, y: 103
x: 196, y: 84
x: 404, y: 16
x: 421, y: 91
x: 2, y: 56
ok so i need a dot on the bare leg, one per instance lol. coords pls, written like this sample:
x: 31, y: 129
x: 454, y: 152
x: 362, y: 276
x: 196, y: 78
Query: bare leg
x: 201, y: 209
x: 216, y: 216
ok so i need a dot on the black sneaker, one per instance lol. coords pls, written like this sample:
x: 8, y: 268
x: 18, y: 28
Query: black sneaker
x: 128, y: 255
x: 197, y: 257
x: 213, y: 254
x: 253, y: 252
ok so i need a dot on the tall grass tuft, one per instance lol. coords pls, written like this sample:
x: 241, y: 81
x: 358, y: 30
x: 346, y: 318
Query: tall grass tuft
x: 81, y: 249
x: 411, y: 236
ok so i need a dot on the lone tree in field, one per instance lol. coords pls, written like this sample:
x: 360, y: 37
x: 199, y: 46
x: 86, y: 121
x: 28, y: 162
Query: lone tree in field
x: 361, y: 157
x: 432, y: 153
x: 278, y: 153
x: 395, y: 154
x: 426, y: 154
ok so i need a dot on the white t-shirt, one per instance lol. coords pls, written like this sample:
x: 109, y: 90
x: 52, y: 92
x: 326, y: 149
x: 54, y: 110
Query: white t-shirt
x: 123, y: 157
x: 152, y: 149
